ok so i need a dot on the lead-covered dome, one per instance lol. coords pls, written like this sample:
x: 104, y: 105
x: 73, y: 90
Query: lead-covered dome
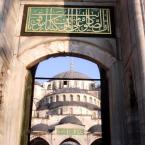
x: 72, y: 74
x: 70, y: 119
x: 95, y: 128
x: 40, y: 127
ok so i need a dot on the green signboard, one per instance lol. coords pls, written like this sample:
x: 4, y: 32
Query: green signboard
x: 67, y: 20
x: 69, y: 131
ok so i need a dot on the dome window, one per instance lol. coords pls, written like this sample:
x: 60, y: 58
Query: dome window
x: 64, y: 83
x: 94, y: 101
x: 71, y: 97
x: 85, y: 98
x: 64, y: 98
x: 94, y: 115
x: 57, y: 98
x: 51, y: 99
x: 90, y: 99
x: 37, y: 114
x: 49, y: 87
x: 78, y: 98
x: 47, y: 115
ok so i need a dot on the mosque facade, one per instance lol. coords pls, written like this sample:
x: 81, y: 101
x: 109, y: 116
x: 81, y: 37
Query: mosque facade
x: 66, y: 112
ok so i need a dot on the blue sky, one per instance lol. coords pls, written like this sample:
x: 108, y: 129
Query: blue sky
x: 53, y: 66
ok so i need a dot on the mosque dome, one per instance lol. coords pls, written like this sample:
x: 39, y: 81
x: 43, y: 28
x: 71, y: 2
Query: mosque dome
x: 40, y: 127
x: 72, y: 74
x: 70, y: 119
x: 95, y: 128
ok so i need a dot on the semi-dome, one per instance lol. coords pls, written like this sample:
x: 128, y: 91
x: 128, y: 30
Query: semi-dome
x: 95, y: 128
x: 70, y: 119
x: 72, y: 74
x: 40, y: 127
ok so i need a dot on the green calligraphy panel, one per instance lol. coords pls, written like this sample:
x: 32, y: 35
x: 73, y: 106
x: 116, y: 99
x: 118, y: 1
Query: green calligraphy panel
x: 68, y: 20
x: 70, y: 131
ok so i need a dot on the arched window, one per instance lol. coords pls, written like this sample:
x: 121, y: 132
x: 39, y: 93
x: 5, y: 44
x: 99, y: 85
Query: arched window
x: 85, y: 98
x: 99, y: 114
x: 54, y: 86
x: 37, y: 114
x: 51, y: 99
x: 47, y: 115
x: 60, y: 85
x: 94, y: 115
x: 94, y: 101
x: 71, y: 97
x: 49, y: 87
x: 78, y: 98
x: 65, y: 83
x: 57, y: 98
x: 64, y: 98
x: 90, y: 99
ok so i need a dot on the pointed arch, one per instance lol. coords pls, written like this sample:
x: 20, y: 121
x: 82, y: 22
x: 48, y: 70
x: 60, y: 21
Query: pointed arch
x: 71, y: 140
x: 38, y: 141
x: 82, y: 49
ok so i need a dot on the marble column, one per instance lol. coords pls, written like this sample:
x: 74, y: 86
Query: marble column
x: 139, y: 34
x: 116, y: 100
x: 14, y: 104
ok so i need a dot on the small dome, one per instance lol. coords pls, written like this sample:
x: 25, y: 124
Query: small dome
x: 40, y: 127
x: 70, y: 119
x: 72, y: 74
x: 95, y: 128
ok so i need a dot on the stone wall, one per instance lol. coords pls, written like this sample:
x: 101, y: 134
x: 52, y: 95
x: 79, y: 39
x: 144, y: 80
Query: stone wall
x: 129, y: 58
x: 8, y: 20
x: 131, y: 41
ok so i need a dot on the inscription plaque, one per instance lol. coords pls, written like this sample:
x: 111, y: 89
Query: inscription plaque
x: 68, y: 20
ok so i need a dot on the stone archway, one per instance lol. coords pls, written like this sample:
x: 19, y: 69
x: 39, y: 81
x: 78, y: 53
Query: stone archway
x: 90, y: 51
x: 32, y: 56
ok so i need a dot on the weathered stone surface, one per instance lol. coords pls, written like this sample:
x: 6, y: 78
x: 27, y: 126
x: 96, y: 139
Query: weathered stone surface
x: 119, y: 56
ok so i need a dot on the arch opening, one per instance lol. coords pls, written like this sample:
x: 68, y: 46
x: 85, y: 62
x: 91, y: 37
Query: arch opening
x: 97, y: 142
x: 52, y: 100
x: 70, y: 141
x: 38, y: 141
x: 101, y: 58
x: 99, y: 53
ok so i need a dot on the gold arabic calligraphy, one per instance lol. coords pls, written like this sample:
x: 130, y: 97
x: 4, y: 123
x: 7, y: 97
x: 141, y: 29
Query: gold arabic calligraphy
x: 68, y: 20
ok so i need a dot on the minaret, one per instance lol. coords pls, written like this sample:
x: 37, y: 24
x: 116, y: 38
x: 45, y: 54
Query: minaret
x: 71, y: 64
x: 71, y: 83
